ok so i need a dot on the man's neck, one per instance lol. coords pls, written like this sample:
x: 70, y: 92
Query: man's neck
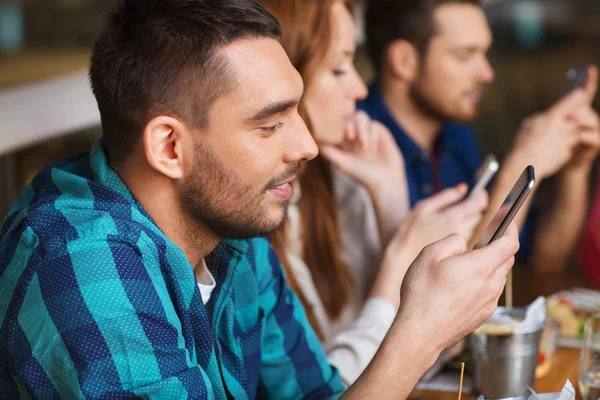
x: 157, y: 198
x: 418, y: 125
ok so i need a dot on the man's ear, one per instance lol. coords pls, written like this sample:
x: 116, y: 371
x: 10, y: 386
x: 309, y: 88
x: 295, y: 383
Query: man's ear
x: 402, y: 59
x: 163, y: 145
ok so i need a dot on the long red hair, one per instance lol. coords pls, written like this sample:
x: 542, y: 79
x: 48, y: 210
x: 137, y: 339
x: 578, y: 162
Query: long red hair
x: 307, y: 37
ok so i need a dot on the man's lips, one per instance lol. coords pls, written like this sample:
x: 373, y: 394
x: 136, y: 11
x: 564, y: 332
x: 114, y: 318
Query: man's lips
x: 283, y: 190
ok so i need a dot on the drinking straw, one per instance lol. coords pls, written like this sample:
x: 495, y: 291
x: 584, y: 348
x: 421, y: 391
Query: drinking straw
x: 508, y: 291
x: 460, y: 385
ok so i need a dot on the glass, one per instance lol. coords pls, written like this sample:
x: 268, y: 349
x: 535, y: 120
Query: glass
x: 589, y: 362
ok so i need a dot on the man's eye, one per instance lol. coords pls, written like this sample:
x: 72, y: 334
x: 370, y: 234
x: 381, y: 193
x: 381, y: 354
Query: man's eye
x: 273, y: 128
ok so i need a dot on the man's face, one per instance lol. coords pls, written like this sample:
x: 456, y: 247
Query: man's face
x: 455, y: 68
x: 239, y: 183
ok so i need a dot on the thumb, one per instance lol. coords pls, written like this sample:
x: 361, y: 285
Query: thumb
x: 592, y: 84
x: 451, y: 246
x: 571, y: 102
x: 350, y: 131
x: 444, y: 199
x: 589, y: 138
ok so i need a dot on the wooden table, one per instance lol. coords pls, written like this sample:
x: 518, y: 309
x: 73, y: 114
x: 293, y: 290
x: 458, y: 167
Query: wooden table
x: 527, y: 287
x: 564, y: 366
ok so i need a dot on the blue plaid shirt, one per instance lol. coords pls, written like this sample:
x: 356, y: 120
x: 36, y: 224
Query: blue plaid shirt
x: 96, y: 302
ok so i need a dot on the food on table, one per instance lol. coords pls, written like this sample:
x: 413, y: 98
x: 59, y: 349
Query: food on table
x: 548, y: 345
x: 562, y: 308
x: 543, y: 367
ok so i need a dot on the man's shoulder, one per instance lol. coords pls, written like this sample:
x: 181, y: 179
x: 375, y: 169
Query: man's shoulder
x: 64, y: 210
x: 256, y: 257
x: 257, y: 251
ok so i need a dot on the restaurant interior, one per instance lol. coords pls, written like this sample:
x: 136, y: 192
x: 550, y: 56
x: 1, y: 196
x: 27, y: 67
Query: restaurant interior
x: 47, y: 113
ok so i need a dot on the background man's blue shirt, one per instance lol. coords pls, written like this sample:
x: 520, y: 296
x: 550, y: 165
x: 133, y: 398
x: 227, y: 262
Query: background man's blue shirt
x: 455, y: 159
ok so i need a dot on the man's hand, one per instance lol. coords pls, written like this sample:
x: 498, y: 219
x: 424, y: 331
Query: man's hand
x: 547, y: 140
x: 566, y: 133
x: 588, y: 133
x: 449, y: 292
x: 588, y: 130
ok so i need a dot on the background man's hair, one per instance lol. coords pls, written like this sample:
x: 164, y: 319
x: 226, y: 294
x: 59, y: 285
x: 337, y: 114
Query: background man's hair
x: 162, y: 57
x: 410, y: 20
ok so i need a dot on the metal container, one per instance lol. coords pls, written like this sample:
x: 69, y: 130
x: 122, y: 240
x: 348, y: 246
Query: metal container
x: 505, y: 364
x: 531, y: 395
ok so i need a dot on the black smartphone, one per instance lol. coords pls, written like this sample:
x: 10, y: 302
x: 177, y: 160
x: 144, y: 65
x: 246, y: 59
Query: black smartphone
x: 508, y: 210
x: 577, y: 77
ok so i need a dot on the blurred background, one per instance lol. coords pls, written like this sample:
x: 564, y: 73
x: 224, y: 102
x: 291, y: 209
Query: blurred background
x: 47, y: 111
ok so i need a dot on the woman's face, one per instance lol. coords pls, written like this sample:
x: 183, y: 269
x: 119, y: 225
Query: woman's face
x: 335, y: 85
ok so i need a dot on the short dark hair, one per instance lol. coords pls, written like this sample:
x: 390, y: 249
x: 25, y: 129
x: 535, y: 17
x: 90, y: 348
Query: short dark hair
x: 411, y: 20
x: 161, y: 57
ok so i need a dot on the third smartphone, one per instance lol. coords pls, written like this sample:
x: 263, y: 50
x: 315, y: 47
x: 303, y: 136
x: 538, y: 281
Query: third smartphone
x: 484, y: 174
x: 577, y: 77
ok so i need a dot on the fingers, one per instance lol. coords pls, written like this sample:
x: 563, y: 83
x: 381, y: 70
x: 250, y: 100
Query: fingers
x: 591, y: 86
x: 590, y: 138
x: 363, y: 129
x: 512, y: 231
x: 571, y: 102
x: 467, y: 225
x: 494, y: 256
x: 365, y: 134
x: 586, y: 118
x: 443, y: 199
x: 336, y: 156
x: 579, y: 97
x: 470, y: 206
x: 502, y: 271
x: 350, y: 131
x: 382, y: 135
x: 568, y: 130
x: 451, y: 246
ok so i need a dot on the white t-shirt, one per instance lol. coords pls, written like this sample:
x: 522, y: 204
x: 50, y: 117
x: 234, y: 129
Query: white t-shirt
x: 206, y: 282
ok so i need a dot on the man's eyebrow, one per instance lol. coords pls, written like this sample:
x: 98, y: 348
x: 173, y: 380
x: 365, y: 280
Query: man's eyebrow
x: 276, y: 108
x: 472, y: 47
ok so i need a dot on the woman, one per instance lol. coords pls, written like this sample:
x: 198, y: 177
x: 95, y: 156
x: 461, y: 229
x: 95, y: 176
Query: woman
x: 339, y: 222
x: 589, y: 256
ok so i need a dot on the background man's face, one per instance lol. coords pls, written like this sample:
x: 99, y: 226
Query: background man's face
x: 238, y: 181
x: 455, y: 68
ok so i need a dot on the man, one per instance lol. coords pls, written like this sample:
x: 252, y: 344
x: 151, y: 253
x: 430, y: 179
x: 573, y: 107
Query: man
x: 126, y: 272
x: 431, y: 63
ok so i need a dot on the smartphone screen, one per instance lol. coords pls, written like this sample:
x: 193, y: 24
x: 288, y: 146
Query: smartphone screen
x: 508, y: 210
